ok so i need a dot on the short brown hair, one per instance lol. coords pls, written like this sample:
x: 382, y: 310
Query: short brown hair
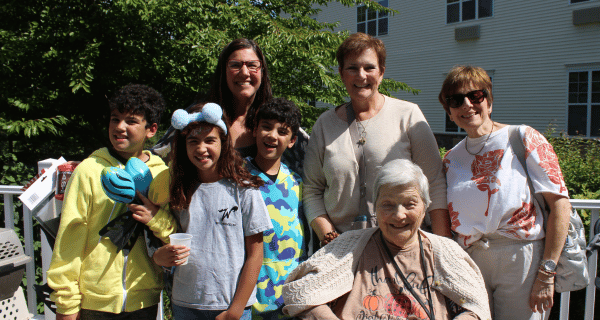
x: 462, y: 76
x: 357, y: 43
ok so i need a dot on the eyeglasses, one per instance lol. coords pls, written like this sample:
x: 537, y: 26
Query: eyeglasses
x: 252, y: 65
x: 475, y: 96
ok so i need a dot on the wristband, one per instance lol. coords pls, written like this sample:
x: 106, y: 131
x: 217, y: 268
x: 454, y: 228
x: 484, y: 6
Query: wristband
x: 546, y: 282
x: 547, y: 273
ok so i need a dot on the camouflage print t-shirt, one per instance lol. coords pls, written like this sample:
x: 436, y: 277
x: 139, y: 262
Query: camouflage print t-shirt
x: 285, y: 244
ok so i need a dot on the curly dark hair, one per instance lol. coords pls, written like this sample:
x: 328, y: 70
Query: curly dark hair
x: 280, y: 109
x: 219, y: 92
x: 139, y: 99
x: 229, y: 165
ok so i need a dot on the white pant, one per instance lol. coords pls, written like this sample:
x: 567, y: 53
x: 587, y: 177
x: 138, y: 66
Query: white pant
x: 509, y: 268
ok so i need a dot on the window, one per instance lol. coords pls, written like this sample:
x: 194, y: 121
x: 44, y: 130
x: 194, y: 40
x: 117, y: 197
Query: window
x: 463, y: 10
x: 371, y: 21
x: 451, y: 126
x: 584, y: 103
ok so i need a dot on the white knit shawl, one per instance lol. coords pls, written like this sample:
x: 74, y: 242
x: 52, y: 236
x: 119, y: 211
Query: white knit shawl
x: 329, y: 274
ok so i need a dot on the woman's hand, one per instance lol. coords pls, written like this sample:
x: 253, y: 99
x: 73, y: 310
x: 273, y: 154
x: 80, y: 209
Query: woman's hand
x: 171, y: 255
x: 542, y: 293
x: 324, y: 229
x: 143, y: 212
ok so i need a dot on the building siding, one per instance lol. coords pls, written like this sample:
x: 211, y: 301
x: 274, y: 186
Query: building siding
x: 528, y: 47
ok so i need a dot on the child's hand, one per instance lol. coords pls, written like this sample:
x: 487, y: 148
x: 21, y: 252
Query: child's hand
x: 171, y: 255
x: 143, y: 212
x: 228, y: 315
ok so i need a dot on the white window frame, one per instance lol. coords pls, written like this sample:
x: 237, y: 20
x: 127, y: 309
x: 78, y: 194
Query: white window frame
x: 460, y: 11
x: 379, y: 16
x: 447, y: 121
x: 588, y: 104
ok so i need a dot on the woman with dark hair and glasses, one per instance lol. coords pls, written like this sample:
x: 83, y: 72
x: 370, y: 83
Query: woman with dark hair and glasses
x: 240, y: 84
x: 492, y: 209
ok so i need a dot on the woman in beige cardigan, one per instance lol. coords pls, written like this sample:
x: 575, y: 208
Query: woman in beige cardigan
x: 396, y: 271
x: 348, y: 144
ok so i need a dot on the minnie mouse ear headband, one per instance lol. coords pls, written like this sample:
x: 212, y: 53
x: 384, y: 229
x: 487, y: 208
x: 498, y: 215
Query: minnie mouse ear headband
x: 211, y: 113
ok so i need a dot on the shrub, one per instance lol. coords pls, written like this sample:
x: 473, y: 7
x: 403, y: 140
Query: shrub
x: 580, y: 163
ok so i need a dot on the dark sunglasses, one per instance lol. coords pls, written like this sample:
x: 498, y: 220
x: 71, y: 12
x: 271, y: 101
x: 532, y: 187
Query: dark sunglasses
x: 475, y: 96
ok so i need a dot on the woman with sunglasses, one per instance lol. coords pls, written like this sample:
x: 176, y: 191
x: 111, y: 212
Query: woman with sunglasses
x: 491, y: 207
x: 350, y: 143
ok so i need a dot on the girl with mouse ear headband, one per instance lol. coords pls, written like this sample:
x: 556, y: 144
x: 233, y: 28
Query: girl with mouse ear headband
x: 211, y: 193
x: 211, y: 113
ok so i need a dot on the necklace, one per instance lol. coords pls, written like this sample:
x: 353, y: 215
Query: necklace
x: 363, y: 134
x: 484, y: 143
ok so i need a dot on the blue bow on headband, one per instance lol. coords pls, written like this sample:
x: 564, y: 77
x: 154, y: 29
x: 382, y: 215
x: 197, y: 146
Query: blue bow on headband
x: 211, y: 113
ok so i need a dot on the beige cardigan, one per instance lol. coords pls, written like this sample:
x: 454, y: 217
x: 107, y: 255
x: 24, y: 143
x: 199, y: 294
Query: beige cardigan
x: 331, y: 181
x: 329, y: 274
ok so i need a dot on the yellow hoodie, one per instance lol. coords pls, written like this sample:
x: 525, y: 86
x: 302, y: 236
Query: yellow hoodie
x: 86, y: 272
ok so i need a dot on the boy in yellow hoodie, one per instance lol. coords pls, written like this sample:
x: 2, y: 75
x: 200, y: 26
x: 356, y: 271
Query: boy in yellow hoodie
x: 90, y: 277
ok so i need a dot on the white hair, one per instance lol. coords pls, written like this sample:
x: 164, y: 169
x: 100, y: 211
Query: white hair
x: 402, y: 172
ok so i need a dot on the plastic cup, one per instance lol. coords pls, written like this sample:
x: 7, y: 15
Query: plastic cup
x: 184, y: 239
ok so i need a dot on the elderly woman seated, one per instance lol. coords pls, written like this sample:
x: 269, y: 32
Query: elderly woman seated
x: 395, y: 271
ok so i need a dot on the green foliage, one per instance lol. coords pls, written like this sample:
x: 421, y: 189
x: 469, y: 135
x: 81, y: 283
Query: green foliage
x: 35, y: 127
x: 443, y: 152
x: 309, y: 116
x: 167, y: 311
x: 62, y: 59
x: 13, y: 172
x: 579, y: 161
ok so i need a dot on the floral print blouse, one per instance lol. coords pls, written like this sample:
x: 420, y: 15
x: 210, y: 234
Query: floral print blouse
x: 488, y: 192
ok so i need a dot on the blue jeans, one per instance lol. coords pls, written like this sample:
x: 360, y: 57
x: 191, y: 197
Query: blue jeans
x: 183, y: 313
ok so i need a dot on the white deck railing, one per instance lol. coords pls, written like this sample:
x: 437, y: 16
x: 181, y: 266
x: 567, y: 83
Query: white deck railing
x: 10, y: 191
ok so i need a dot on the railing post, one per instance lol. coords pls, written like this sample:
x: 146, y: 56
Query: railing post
x: 46, y: 258
x: 9, y: 219
x: 590, y: 292
x: 9, y: 212
x: 30, y: 267
x: 46, y: 248
x: 565, y: 300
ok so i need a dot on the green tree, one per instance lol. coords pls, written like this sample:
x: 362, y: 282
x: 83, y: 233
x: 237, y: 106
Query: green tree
x: 61, y: 59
